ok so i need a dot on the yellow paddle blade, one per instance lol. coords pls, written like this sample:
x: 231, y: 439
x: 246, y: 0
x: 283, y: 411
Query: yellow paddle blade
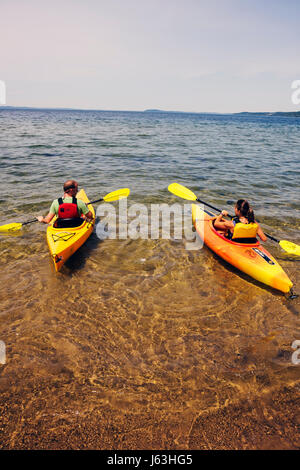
x: 182, y: 191
x: 290, y: 247
x: 10, y: 227
x: 115, y: 195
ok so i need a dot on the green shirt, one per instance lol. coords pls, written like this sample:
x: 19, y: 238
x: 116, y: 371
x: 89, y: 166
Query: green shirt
x: 82, y: 207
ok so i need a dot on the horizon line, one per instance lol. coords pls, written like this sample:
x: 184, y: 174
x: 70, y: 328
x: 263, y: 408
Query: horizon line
x: 150, y: 110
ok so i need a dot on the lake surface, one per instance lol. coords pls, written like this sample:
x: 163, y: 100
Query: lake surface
x: 142, y: 344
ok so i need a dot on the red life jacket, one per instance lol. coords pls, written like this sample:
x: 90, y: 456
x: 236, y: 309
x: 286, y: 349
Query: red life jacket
x: 68, y: 210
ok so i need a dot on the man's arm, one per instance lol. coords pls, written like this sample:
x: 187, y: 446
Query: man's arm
x: 86, y: 213
x: 52, y: 211
x: 47, y: 219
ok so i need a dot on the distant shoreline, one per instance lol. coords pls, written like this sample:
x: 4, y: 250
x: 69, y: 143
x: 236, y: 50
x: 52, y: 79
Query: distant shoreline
x: 156, y: 111
x: 243, y: 113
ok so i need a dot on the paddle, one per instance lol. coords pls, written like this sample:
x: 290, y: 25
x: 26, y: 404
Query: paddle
x: 113, y: 196
x: 186, y: 193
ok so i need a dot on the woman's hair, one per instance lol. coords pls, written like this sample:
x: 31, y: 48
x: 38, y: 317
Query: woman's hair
x: 243, y: 206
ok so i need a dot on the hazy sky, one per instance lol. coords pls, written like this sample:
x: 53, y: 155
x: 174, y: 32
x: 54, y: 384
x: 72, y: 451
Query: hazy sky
x: 189, y: 55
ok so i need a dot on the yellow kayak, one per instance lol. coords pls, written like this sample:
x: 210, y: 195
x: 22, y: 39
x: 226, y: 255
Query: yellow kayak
x: 63, y: 242
x: 252, y: 259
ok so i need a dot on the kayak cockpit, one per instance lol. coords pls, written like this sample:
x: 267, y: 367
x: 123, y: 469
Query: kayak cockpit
x: 68, y: 223
x: 238, y: 242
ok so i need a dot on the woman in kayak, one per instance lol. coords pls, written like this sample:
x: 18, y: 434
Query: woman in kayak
x: 242, y: 228
x: 68, y: 207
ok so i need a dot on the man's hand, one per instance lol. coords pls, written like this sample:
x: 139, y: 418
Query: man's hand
x: 45, y: 220
x: 89, y: 216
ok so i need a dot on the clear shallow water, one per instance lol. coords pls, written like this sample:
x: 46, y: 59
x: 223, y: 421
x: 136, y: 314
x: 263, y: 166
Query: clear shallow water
x: 142, y: 343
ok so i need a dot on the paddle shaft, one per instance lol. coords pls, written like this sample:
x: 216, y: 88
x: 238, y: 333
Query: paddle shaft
x: 94, y: 202
x: 35, y: 220
x: 212, y: 207
x: 29, y: 222
x: 216, y: 209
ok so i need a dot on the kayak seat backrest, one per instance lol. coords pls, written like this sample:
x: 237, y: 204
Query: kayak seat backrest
x: 68, y: 223
x: 244, y: 231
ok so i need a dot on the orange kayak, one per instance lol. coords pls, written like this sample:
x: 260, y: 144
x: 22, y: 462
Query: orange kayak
x: 252, y: 259
x: 63, y: 242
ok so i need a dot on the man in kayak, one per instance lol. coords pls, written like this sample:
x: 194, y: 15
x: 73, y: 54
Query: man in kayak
x: 69, y: 210
x: 242, y: 228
